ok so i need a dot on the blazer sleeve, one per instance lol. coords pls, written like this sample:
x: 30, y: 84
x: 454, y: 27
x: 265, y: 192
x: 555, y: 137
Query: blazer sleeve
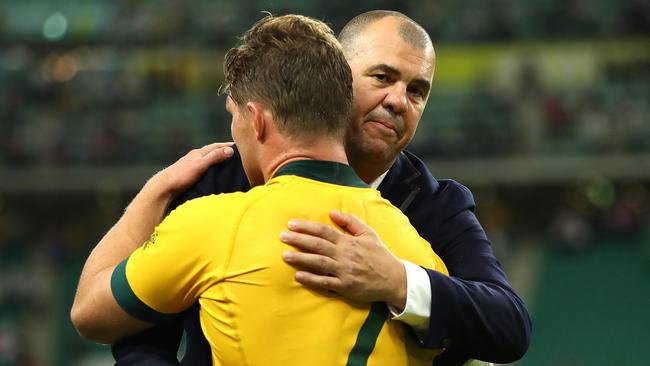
x: 475, y: 313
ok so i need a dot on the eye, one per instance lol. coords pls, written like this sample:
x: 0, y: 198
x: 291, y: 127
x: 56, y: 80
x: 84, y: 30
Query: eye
x: 380, y: 77
x: 416, y: 91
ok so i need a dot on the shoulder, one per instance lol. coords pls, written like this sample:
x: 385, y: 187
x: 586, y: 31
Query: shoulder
x: 225, y: 177
x: 454, y: 194
x: 432, y: 184
x: 208, y: 203
x: 440, y: 209
x: 410, y: 173
x: 205, y: 212
x: 221, y: 202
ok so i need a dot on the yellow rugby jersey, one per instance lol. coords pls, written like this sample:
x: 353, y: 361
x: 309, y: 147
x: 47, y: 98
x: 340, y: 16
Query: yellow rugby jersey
x: 224, y: 251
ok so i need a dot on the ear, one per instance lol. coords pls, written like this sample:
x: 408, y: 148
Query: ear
x: 260, y: 119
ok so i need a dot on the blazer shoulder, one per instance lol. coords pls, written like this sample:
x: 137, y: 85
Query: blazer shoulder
x: 446, y: 189
x: 225, y: 177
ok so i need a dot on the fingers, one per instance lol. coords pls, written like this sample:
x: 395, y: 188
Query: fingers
x: 186, y: 170
x: 350, y: 223
x: 314, y: 263
x: 214, y: 146
x: 329, y: 283
x: 218, y: 155
x: 324, y: 231
x: 308, y: 243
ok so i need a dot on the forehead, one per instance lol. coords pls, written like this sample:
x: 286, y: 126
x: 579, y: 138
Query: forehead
x: 381, y: 43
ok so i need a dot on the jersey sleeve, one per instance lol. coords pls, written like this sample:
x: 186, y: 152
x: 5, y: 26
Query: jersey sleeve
x: 183, y: 257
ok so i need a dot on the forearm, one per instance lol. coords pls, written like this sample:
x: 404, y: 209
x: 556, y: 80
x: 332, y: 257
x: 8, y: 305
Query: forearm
x: 95, y: 309
x: 149, y: 206
x: 132, y: 230
x: 97, y: 316
x: 475, y: 312
x: 134, y: 227
x: 487, y: 321
x: 494, y: 323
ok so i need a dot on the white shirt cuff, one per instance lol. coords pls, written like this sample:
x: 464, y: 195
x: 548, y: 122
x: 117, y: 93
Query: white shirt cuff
x: 417, y: 311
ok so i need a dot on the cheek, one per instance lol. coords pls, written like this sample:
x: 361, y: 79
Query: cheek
x: 362, y: 101
x: 410, y: 125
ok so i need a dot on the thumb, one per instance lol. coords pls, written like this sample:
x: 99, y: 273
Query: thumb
x: 350, y: 223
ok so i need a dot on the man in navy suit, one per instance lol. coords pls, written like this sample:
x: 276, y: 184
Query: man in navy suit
x: 472, y: 314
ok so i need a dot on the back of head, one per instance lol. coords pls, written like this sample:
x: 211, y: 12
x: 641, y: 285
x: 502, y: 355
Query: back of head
x: 294, y: 65
x: 410, y: 31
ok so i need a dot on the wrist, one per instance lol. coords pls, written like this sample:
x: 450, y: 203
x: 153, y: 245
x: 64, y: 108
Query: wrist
x: 417, y: 310
x: 158, y: 189
x: 397, y: 290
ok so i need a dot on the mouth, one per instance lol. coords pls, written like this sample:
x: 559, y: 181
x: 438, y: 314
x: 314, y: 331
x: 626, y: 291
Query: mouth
x: 385, y: 127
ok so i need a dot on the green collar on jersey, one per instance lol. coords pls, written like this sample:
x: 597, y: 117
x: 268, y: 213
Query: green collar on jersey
x: 324, y: 171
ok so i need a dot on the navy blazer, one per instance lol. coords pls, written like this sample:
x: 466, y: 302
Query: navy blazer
x: 474, y: 314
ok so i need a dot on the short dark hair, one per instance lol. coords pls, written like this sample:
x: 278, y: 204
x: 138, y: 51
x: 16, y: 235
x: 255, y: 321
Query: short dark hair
x: 410, y: 31
x: 294, y: 65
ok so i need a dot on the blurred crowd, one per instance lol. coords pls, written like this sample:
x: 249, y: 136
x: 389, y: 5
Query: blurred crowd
x: 136, y: 81
x: 534, y: 120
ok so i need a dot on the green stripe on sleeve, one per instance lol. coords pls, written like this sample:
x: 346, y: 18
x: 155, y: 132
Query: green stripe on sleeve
x: 368, y: 334
x: 125, y: 297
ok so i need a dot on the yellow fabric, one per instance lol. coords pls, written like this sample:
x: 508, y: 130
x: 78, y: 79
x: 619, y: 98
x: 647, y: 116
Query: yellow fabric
x: 225, y: 252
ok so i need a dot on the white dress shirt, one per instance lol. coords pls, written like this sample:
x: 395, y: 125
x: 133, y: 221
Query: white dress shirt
x: 417, y: 311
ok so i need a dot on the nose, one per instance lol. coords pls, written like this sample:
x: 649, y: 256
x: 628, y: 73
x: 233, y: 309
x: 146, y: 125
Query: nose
x: 396, y: 99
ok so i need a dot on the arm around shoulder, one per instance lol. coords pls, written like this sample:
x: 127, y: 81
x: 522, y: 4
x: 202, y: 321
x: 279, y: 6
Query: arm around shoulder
x: 95, y: 313
x: 99, y: 318
x: 475, y: 312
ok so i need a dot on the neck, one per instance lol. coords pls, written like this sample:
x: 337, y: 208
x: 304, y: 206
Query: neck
x: 282, y: 155
x: 367, y: 168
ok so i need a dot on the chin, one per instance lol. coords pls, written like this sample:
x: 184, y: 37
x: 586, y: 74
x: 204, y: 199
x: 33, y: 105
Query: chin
x: 375, y: 151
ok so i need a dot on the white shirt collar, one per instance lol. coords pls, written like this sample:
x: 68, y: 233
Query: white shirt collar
x: 375, y: 183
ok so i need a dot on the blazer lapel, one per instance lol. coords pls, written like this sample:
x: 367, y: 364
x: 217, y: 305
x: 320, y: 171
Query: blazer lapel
x: 399, y: 186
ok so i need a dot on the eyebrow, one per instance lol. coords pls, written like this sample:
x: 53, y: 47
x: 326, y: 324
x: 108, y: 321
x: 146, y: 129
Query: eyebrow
x: 385, y: 68
x: 420, y: 83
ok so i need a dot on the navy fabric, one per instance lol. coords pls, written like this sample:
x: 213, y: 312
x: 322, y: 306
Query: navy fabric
x: 474, y: 314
